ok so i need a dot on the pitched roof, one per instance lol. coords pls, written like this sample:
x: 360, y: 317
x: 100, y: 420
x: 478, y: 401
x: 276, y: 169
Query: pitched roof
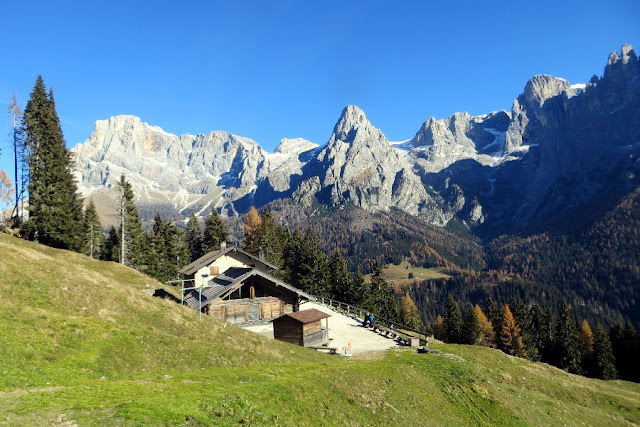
x: 229, y: 281
x: 308, y: 316
x: 210, y: 257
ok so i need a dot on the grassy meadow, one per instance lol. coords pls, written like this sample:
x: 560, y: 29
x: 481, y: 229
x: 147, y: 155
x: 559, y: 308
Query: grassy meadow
x: 83, y: 343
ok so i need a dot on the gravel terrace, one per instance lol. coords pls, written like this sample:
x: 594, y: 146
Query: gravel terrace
x: 342, y: 331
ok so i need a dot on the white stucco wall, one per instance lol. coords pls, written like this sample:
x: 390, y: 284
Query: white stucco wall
x: 223, y: 263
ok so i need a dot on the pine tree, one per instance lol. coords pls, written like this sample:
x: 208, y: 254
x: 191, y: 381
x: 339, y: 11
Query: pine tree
x: 470, y: 328
x: 604, y: 362
x: 193, y: 238
x: 313, y: 267
x: 214, y: 233
x: 487, y: 336
x: 251, y: 235
x: 93, y: 234
x: 567, y: 342
x: 55, y: 209
x: 132, y: 240
x: 339, y: 277
x: 543, y: 327
x: 510, y: 337
x: 452, y: 321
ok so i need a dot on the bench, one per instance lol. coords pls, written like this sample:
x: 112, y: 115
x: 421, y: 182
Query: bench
x: 332, y: 350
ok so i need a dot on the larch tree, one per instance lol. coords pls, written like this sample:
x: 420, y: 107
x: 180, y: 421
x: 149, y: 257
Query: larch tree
x: 410, y: 314
x: 487, y: 336
x: 439, y: 331
x: 55, y: 209
x: 215, y: 232
x: 93, y: 234
x: 15, y: 112
x: 6, y: 197
x: 510, y: 338
x: 251, y: 234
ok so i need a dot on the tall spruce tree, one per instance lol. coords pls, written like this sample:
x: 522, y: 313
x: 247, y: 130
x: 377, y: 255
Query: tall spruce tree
x: 357, y: 293
x: 382, y: 302
x: 567, y: 342
x: 111, y: 248
x: 452, y: 321
x: 132, y: 238
x: 604, y: 361
x: 339, y: 277
x: 93, y: 234
x: 271, y: 238
x: 55, y: 209
x: 215, y: 232
x: 193, y: 238
x: 470, y: 327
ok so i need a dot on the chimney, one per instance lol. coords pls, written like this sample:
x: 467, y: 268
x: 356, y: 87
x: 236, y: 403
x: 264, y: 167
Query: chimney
x: 261, y: 254
x: 223, y: 245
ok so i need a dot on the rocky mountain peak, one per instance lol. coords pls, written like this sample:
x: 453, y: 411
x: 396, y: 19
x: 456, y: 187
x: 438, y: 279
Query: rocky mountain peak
x: 295, y: 145
x: 628, y: 54
x: 351, y: 119
x: 542, y: 87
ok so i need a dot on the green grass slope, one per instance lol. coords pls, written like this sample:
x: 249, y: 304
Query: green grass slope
x: 82, y: 344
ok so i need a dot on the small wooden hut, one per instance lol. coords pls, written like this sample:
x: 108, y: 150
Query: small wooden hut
x: 302, y: 328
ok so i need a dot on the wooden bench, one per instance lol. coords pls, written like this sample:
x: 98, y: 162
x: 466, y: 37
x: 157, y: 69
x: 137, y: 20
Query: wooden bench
x: 332, y: 350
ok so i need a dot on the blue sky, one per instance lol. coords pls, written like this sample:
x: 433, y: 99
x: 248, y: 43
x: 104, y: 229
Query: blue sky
x: 274, y: 69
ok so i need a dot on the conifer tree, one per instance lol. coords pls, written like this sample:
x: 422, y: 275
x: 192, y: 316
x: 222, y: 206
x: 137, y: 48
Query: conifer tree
x: 453, y: 321
x: 604, y: 362
x: 339, y: 277
x: 16, y: 113
x: 357, y: 292
x: 510, y: 337
x: 487, y: 336
x: 587, y: 343
x: 410, y: 314
x: 55, y: 209
x: 439, y: 329
x: 131, y: 239
x: 215, y: 232
x: 567, y: 342
x: 251, y: 234
x: 111, y: 248
x: 494, y: 314
x: 313, y: 266
x: 382, y: 301
x: 522, y: 316
x: 543, y: 327
x: 470, y: 327
x: 272, y: 238
x: 93, y: 234
x: 193, y: 238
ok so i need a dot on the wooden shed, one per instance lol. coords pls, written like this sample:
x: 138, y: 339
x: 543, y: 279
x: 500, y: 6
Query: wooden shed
x: 302, y: 328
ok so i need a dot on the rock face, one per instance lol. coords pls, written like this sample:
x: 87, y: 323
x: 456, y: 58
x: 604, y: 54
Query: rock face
x: 562, y: 149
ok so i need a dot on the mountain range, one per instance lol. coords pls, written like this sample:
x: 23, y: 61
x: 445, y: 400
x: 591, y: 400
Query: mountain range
x: 562, y: 156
